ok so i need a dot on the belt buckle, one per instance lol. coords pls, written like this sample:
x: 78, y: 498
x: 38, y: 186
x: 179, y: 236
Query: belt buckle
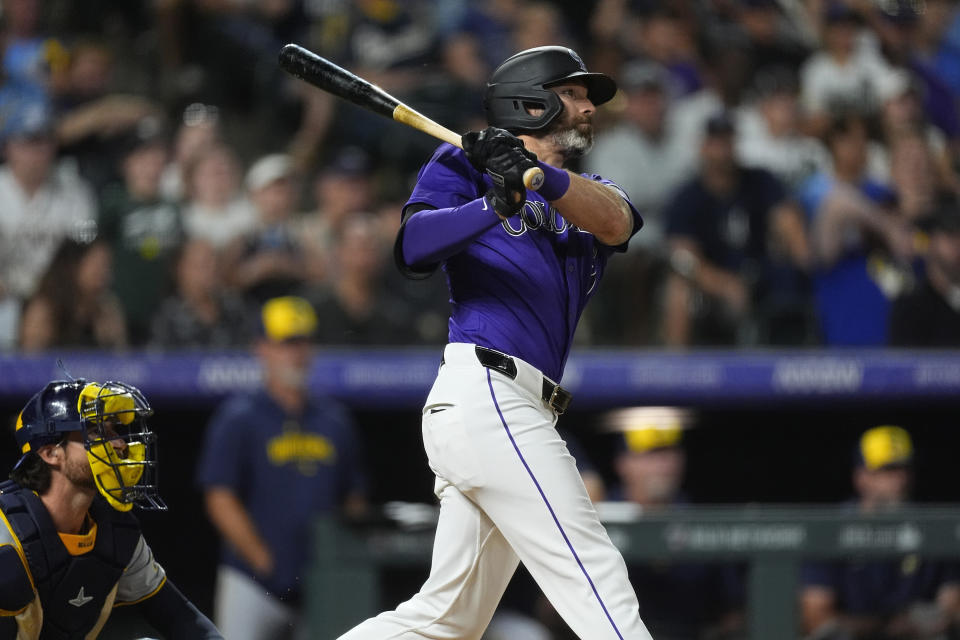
x: 559, y: 399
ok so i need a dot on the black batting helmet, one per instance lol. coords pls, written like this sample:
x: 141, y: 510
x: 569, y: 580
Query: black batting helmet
x: 524, y: 79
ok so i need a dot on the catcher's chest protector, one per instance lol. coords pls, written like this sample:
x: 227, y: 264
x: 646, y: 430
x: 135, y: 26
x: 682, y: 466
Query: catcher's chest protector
x: 74, y: 593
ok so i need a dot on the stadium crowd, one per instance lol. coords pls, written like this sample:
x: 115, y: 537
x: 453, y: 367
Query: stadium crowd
x: 795, y: 163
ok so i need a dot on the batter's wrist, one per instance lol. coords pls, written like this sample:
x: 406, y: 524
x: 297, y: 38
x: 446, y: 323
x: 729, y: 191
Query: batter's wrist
x: 489, y: 201
x: 555, y: 182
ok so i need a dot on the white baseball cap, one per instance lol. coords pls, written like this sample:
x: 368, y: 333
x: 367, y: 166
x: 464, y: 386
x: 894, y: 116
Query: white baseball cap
x: 267, y: 169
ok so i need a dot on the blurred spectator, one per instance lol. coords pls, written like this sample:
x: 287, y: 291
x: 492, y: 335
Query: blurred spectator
x: 450, y: 92
x: 73, y: 306
x: 725, y: 75
x: 202, y: 314
x: 907, y: 597
x: 215, y: 209
x: 901, y: 113
x: 737, y: 251
x: 144, y: 229
x: 199, y: 130
x: 94, y: 119
x: 491, y: 22
x: 389, y: 43
x: 353, y: 306
x: 861, y: 247
x: 934, y: 47
x: 9, y: 321
x: 666, y: 38
x: 269, y: 261
x: 343, y: 188
x: 678, y: 601
x: 929, y: 316
x: 272, y: 461
x: 769, y: 130
x: 33, y: 62
x: 913, y: 174
x: 897, y: 23
x: 539, y: 24
x: 41, y: 202
x: 773, y: 40
x: 228, y: 52
x: 640, y: 151
x: 388, y: 35
x: 843, y: 76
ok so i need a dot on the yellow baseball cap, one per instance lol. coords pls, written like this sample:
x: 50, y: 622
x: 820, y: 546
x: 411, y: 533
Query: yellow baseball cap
x: 885, y: 446
x: 649, y: 428
x: 288, y: 318
x: 650, y: 438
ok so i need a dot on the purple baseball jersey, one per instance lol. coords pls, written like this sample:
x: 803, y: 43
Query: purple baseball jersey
x: 520, y: 286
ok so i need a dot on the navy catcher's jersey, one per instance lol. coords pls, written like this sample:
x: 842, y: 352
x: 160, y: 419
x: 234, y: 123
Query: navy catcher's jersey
x: 56, y: 587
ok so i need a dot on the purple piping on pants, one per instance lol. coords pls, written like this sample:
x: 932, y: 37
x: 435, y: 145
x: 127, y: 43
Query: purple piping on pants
x: 550, y: 508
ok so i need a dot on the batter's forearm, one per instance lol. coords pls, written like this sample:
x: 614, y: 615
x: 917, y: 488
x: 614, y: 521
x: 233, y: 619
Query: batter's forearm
x: 432, y: 235
x: 597, y: 208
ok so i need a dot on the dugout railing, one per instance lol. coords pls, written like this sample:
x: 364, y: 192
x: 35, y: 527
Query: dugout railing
x: 344, y: 583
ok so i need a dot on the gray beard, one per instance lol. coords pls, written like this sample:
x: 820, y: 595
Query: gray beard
x: 571, y: 142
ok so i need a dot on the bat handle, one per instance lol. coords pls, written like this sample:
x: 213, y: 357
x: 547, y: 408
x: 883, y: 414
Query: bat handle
x: 533, y: 178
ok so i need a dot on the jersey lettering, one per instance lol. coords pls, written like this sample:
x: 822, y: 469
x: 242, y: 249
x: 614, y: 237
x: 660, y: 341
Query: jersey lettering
x: 537, y: 215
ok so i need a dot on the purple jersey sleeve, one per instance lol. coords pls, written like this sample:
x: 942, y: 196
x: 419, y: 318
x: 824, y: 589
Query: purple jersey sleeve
x: 447, y: 180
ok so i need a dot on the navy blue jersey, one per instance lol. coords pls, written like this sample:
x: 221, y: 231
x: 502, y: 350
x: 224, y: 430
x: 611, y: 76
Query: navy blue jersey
x: 881, y: 587
x: 285, y: 469
x: 729, y: 231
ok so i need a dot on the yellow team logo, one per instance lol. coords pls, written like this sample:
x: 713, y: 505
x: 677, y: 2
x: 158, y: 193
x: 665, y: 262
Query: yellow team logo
x: 305, y: 450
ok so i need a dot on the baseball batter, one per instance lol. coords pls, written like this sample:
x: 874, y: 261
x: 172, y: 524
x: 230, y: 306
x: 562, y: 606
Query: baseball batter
x: 521, y: 266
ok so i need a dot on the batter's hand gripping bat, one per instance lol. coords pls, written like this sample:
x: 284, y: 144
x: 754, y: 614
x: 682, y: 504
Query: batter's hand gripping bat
x: 320, y: 72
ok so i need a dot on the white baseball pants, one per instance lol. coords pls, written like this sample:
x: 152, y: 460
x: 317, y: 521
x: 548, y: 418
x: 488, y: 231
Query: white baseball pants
x: 509, y: 492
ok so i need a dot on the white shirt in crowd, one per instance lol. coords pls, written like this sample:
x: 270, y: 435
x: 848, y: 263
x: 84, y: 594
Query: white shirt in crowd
x: 219, y: 226
x: 791, y: 158
x: 824, y: 83
x: 32, y: 228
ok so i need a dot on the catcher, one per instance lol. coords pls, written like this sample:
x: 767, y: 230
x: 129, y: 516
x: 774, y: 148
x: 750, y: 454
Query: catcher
x: 70, y: 550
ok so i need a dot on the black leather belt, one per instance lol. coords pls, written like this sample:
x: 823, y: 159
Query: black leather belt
x: 554, y: 395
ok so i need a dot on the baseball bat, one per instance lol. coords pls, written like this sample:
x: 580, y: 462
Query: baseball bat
x: 320, y: 72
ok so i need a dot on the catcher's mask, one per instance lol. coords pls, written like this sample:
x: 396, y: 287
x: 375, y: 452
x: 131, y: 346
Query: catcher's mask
x: 524, y: 79
x: 111, y: 418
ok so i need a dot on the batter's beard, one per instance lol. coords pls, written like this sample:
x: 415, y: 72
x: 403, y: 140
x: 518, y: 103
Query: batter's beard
x: 572, y: 140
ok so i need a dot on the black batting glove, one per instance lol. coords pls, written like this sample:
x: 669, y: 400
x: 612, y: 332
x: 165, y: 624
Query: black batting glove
x: 504, y: 158
x: 480, y: 146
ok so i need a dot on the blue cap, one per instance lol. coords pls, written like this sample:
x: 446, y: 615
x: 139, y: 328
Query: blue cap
x: 25, y: 118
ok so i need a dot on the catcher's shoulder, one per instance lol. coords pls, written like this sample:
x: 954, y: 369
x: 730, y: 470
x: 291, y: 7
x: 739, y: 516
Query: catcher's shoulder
x: 16, y: 590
